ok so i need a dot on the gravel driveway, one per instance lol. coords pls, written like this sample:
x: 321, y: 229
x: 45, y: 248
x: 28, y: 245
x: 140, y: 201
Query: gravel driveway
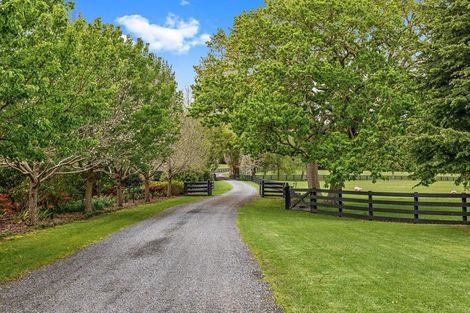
x: 188, y: 259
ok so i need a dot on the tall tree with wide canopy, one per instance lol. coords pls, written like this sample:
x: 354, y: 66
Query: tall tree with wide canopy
x: 439, y: 142
x: 59, y: 68
x: 144, y: 123
x: 158, y: 122
x: 323, y: 81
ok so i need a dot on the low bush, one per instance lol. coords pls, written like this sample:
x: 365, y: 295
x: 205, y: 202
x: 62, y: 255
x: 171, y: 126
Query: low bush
x: 79, y: 206
x: 6, y: 204
x: 102, y: 203
x: 160, y: 188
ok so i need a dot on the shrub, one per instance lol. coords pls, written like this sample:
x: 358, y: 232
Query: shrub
x: 45, y: 213
x: 79, y: 206
x: 103, y: 203
x: 6, y: 204
x: 194, y: 175
x: 160, y: 188
x: 132, y: 181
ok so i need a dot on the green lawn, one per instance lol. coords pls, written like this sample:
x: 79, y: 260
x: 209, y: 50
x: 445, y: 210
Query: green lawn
x: 221, y: 187
x: 24, y: 253
x: 319, y: 263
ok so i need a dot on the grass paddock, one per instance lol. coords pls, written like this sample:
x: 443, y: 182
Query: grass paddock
x: 319, y: 263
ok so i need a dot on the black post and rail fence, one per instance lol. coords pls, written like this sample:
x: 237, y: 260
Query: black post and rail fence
x: 198, y: 188
x: 422, y: 208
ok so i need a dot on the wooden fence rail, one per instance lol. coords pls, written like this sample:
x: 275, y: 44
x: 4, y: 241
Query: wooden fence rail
x: 198, y: 188
x: 267, y: 188
x: 434, y: 208
x: 273, y: 189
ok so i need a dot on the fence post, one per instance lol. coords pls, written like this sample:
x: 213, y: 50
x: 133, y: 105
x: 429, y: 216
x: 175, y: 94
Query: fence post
x: 371, y: 212
x: 209, y: 189
x: 287, y: 196
x: 313, y: 200
x: 185, y: 188
x: 416, y: 207
x: 262, y: 188
x: 464, y: 208
x: 340, y: 203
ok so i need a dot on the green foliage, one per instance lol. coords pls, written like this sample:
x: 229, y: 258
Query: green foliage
x: 61, y: 189
x: 439, y: 142
x: 99, y: 204
x: 160, y: 188
x: 224, y: 144
x: 279, y: 164
x: 132, y: 181
x: 327, y: 82
x: 193, y: 175
x: 45, y: 213
x: 9, y: 179
x: 76, y: 96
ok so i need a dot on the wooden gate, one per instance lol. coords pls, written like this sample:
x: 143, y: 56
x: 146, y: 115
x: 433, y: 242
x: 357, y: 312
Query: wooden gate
x: 198, y: 188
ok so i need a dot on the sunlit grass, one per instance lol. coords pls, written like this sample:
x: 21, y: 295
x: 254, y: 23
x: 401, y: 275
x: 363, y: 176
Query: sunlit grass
x: 319, y: 263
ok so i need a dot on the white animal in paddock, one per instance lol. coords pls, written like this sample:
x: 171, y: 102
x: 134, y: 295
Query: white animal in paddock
x: 454, y: 192
x: 357, y: 188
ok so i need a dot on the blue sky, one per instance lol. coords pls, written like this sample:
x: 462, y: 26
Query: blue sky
x: 175, y: 29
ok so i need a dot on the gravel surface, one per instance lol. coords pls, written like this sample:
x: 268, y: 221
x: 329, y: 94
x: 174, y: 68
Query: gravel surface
x: 190, y: 258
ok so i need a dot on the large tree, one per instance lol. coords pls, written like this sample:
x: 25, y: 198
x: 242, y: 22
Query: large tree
x: 323, y: 81
x: 144, y: 123
x: 78, y: 97
x: 440, y: 139
x: 59, y: 67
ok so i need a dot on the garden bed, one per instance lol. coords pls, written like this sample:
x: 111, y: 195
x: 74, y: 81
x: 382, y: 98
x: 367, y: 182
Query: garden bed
x: 11, y: 224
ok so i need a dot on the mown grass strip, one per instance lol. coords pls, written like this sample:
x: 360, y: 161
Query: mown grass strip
x: 23, y: 253
x: 319, y: 263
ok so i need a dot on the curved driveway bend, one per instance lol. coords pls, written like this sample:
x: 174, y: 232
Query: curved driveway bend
x: 189, y: 259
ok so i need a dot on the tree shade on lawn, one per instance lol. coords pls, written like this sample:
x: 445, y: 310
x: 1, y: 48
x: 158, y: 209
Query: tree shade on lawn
x: 325, y: 264
x: 27, y: 252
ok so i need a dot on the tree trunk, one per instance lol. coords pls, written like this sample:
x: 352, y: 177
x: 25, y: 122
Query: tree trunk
x: 312, y: 176
x: 90, y: 180
x: 169, y: 188
x: 235, y: 171
x: 119, y: 195
x: 253, y: 171
x: 147, y: 188
x: 33, y: 200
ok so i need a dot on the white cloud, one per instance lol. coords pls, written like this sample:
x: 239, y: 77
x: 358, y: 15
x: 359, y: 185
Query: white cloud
x: 176, y: 35
x: 184, y: 3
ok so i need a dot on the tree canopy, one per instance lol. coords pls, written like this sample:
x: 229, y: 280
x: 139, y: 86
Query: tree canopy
x: 328, y: 82
x: 78, y: 96
x: 440, y: 138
